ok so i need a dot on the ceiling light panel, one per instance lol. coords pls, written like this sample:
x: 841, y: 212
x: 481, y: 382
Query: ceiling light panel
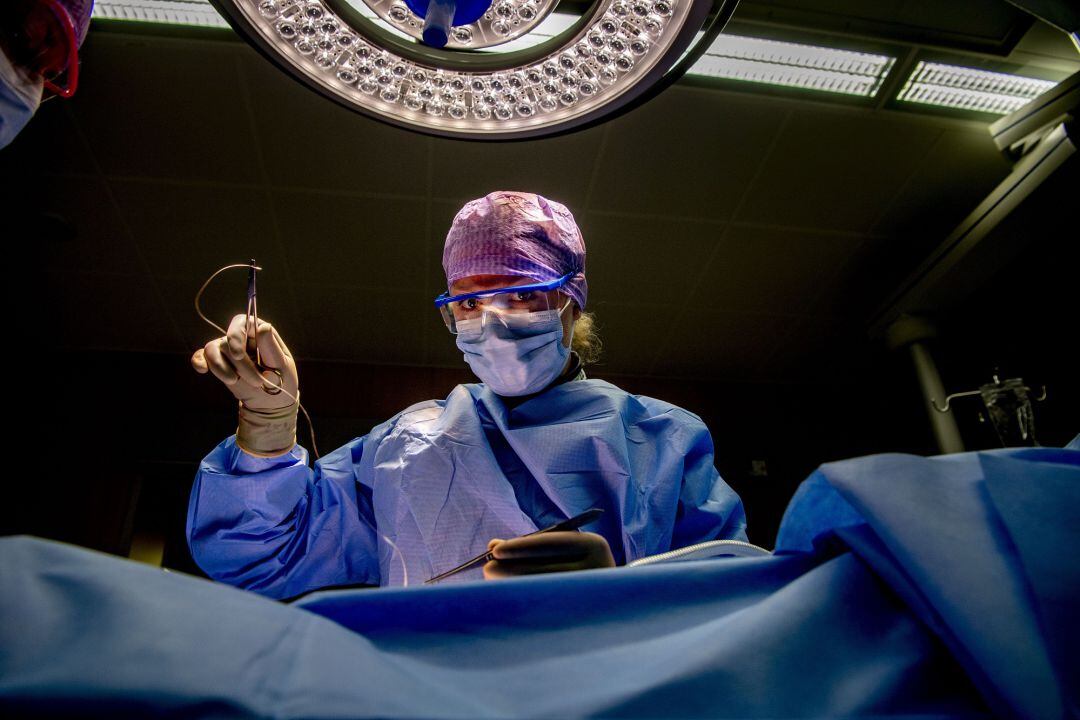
x: 794, y: 65
x: 970, y: 89
x: 170, y: 12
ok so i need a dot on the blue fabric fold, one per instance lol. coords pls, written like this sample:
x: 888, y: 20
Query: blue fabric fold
x: 944, y: 532
x: 99, y: 636
x: 905, y: 586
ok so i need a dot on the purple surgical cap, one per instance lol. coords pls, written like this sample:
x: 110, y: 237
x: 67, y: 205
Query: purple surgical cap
x: 80, y: 11
x: 516, y: 233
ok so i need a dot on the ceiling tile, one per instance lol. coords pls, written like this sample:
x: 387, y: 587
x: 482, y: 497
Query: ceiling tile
x: 558, y: 168
x: 309, y: 141
x: 718, y: 346
x: 860, y: 284
x: 77, y: 226
x: 109, y: 312
x: 962, y: 168
x: 191, y: 231
x: 157, y: 107
x: 363, y: 325
x: 959, y: 172
x: 866, y: 279
x: 770, y: 270
x: 441, y: 216
x: 49, y: 143
x: 342, y: 240
x: 836, y: 169
x: 821, y: 350
x: 984, y: 24
x: 632, y: 257
x: 689, y: 152
x: 1044, y: 46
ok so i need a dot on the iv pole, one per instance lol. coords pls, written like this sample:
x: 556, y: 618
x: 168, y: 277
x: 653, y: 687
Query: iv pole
x: 914, y: 333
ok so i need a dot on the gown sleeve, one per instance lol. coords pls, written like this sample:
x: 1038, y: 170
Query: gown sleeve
x: 279, y: 528
x: 708, y: 509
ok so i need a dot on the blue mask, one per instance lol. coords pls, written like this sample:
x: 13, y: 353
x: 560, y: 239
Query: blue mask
x: 519, y: 359
x: 19, y: 99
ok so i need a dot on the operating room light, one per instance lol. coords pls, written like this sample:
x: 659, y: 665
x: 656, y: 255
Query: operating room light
x: 375, y: 56
x: 551, y: 92
x: 970, y: 89
x: 794, y: 65
x: 757, y: 60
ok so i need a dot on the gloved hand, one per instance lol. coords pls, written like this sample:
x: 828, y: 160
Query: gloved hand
x: 267, y: 420
x: 547, y: 552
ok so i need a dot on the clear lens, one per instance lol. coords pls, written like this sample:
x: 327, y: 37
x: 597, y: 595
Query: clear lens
x: 511, y: 307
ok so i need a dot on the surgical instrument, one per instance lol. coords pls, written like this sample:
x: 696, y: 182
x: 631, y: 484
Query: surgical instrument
x: 570, y: 524
x: 252, y: 337
x: 252, y: 310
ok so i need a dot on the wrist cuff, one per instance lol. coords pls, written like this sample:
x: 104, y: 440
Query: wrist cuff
x: 267, y: 433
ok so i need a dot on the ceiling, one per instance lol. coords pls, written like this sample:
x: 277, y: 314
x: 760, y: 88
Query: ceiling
x: 730, y: 233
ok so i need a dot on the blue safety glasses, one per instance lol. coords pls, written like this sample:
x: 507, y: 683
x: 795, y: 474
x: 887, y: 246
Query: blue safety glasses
x: 516, y: 305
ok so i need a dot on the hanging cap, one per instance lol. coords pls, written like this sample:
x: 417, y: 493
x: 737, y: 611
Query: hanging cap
x: 78, y: 19
x: 78, y: 12
x: 517, y: 233
x: 51, y: 32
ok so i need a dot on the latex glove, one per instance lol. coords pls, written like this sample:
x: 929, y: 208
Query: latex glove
x: 267, y: 421
x: 547, y: 552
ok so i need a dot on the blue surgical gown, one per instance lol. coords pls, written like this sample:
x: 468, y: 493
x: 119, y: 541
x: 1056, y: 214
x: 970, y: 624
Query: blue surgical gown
x: 430, y: 487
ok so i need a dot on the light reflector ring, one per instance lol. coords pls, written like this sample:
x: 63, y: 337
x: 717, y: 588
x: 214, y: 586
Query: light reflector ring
x: 565, y: 86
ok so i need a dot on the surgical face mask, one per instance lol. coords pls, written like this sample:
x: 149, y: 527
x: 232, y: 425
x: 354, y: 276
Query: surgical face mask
x: 20, y: 96
x: 515, y: 355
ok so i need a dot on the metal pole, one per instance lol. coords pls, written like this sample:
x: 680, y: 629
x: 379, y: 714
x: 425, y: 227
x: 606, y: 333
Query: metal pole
x: 943, y: 424
x: 913, y: 333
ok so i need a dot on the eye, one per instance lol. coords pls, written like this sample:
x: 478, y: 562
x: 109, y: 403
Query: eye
x: 524, y: 296
x: 469, y: 304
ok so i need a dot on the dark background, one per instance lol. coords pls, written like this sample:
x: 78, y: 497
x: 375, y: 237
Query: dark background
x: 741, y: 239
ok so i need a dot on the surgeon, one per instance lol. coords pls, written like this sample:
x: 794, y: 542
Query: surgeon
x: 533, y: 443
x: 39, y: 42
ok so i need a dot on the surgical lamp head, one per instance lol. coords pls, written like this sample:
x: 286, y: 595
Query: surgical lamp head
x: 449, y: 68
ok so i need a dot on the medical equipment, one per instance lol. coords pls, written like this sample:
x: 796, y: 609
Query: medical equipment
x: 269, y: 387
x: 573, y: 523
x: 1008, y: 405
x: 252, y: 344
x: 566, y: 70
